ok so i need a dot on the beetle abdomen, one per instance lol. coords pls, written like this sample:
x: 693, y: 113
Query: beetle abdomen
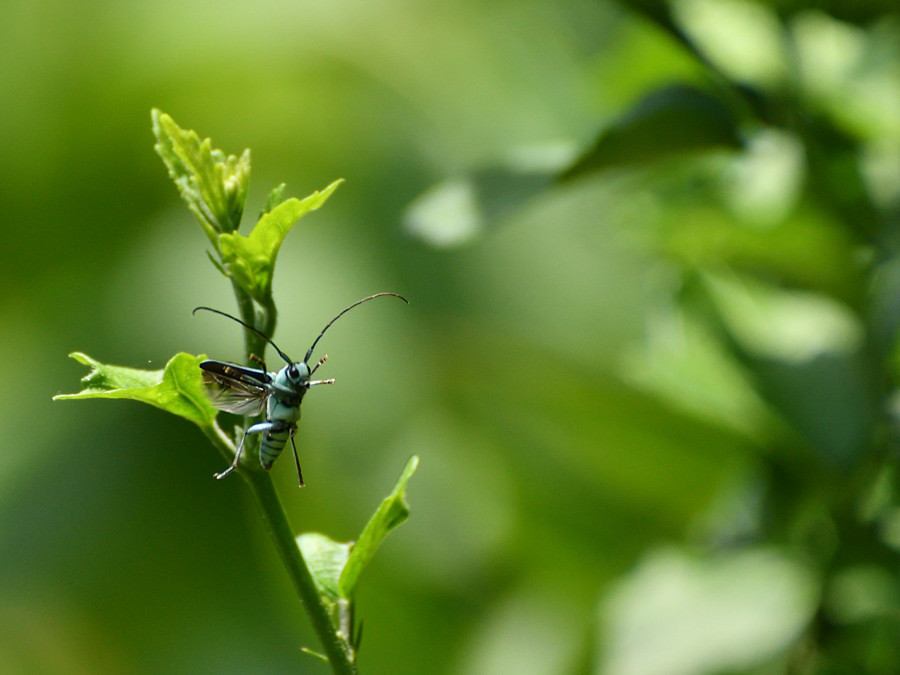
x: 273, y: 443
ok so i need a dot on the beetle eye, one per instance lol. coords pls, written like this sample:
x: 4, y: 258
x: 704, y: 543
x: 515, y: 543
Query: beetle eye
x: 292, y: 372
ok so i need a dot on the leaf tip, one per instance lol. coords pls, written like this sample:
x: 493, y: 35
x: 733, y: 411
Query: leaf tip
x: 411, y: 465
x: 84, y: 359
x: 327, y: 191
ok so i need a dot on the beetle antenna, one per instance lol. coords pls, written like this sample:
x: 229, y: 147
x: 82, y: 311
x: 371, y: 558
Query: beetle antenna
x: 344, y: 311
x: 246, y: 325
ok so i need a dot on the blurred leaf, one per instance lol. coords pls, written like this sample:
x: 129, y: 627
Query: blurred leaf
x: 804, y: 351
x: 656, y: 10
x: 392, y: 512
x: 681, y: 614
x: 743, y: 42
x: 250, y: 260
x: 671, y: 121
x: 861, y: 593
x: 682, y: 362
x: 804, y: 250
x: 213, y: 184
x: 178, y: 389
x: 458, y: 210
x: 764, y: 182
x: 660, y: 13
x: 784, y: 325
x: 325, y: 559
x: 860, y: 12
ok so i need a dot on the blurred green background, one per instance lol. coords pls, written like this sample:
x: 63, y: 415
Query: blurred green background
x: 653, y: 402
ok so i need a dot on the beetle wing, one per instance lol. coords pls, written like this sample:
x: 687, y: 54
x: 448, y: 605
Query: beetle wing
x: 236, y: 389
x: 235, y: 371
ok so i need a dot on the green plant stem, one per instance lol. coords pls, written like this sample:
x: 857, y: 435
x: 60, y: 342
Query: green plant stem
x: 336, y: 647
x: 283, y: 536
x: 253, y: 344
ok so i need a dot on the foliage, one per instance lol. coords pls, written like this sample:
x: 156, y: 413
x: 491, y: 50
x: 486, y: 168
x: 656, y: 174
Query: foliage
x: 215, y: 187
x: 656, y: 396
x: 178, y: 389
x: 783, y: 245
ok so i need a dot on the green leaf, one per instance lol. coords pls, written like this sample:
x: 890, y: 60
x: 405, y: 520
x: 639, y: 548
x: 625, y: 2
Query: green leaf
x: 336, y: 566
x: 325, y: 559
x: 392, y: 512
x: 726, y: 612
x: 671, y: 121
x: 276, y: 196
x: 806, y: 354
x: 178, y: 389
x: 460, y: 209
x: 213, y: 184
x: 250, y: 260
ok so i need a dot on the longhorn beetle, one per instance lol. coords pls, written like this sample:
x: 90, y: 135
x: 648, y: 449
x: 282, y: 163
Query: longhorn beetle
x: 249, y: 391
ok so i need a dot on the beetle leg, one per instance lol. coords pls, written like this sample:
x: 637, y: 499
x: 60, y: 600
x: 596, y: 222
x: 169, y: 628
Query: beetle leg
x: 237, y: 453
x: 260, y: 361
x: 297, y: 462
